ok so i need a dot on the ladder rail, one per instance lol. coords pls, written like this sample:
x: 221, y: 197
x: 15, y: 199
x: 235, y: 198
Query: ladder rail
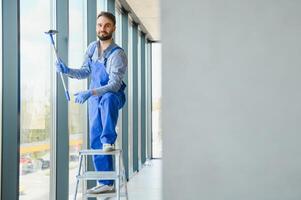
x: 78, y: 173
x: 117, y: 181
x: 124, y: 177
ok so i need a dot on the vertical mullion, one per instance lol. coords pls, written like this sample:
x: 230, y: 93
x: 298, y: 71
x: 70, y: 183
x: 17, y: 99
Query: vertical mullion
x: 91, y: 21
x: 0, y: 92
x: 110, y: 6
x: 62, y: 135
x: 150, y: 100
x: 91, y: 36
x: 139, y: 97
x: 135, y: 96
x: 143, y: 100
x: 10, y: 99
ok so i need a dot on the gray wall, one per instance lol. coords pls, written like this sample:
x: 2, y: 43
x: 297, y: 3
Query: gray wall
x: 231, y: 93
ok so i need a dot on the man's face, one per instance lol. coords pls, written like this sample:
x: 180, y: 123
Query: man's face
x: 104, y: 28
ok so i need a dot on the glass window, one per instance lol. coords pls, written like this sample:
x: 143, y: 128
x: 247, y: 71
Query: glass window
x: 118, y: 26
x: 148, y: 99
x: 156, y: 100
x: 101, y: 5
x: 118, y: 41
x: 37, y: 72
x: 77, y: 113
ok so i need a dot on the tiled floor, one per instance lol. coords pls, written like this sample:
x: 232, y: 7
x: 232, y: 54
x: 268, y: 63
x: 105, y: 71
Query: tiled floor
x: 146, y: 185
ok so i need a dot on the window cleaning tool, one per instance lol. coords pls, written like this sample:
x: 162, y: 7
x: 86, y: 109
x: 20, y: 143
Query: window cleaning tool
x: 51, y: 33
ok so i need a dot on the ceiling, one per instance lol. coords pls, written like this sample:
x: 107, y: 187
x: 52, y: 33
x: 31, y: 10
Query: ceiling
x: 148, y: 12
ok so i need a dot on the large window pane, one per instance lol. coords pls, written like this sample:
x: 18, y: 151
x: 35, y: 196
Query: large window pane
x: 101, y: 5
x: 77, y: 113
x: 36, y: 94
x: 117, y: 39
x: 118, y: 26
x: 156, y: 99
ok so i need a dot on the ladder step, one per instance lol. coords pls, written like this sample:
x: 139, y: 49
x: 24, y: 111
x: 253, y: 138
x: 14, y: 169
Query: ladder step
x: 98, y: 152
x: 100, y: 175
x: 105, y: 195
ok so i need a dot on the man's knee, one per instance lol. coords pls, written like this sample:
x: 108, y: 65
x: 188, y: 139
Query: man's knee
x: 109, y: 98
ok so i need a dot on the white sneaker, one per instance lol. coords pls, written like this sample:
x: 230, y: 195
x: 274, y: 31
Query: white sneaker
x: 101, y: 189
x: 108, y: 147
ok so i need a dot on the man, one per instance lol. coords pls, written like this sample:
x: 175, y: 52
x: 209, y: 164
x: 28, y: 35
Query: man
x: 105, y: 63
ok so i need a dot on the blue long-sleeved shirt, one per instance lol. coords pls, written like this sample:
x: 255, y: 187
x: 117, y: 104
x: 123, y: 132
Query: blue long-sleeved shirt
x: 116, y: 67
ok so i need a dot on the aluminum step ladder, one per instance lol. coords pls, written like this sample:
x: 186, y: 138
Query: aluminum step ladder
x: 118, y: 175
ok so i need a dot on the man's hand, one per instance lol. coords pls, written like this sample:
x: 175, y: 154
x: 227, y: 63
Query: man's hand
x: 81, y: 97
x: 61, y: 67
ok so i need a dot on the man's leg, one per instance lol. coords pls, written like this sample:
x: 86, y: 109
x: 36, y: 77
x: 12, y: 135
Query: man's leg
x: 110, y: 104
x: 101, y: 163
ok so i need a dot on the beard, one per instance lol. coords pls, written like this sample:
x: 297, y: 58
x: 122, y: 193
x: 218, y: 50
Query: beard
x: 106, y: 37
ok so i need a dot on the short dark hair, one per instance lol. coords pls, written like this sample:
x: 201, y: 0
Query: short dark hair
x: 108, y: 15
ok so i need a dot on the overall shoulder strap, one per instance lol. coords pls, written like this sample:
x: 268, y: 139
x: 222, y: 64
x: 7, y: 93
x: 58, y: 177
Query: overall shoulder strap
x: 92, y: 50
x: 110, y: 53
x: 123, y: 85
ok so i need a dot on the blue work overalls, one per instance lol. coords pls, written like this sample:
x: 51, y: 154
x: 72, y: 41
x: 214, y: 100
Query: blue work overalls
x: 103, y: 114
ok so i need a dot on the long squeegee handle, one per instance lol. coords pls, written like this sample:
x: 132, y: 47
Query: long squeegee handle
x: 61, y: 75
x: 51, y: 39
x: 64, y: 85
x: 67, y: 95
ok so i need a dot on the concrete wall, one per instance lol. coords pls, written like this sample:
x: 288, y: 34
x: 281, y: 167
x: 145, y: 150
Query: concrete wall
x: 231, y: 76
